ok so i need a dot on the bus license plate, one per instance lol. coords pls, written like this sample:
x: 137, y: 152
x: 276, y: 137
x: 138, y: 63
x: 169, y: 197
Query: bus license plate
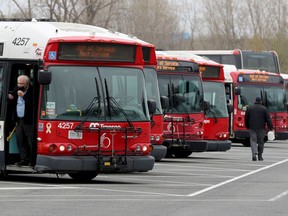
x: 74, y: 135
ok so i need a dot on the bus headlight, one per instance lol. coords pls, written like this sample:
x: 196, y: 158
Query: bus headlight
x: 158, y: 138
x: 62, y: 148
x: 144, y: 148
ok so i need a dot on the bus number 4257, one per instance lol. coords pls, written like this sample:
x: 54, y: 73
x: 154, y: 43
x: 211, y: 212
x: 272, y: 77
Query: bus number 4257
x: 20, y: 41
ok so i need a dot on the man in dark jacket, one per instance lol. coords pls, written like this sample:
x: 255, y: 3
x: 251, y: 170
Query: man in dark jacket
x: 256, y: 118
x: 22, y: 99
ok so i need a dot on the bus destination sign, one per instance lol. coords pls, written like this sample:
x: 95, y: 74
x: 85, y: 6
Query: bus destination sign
x: 209, y: 71
x: 261, y: 78
x: 165, y: 65
x: 96, y: 52
x: 177, y: 66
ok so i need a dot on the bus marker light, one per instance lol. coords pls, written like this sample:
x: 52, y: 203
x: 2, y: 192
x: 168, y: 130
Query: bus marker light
x: 69, y: 148
x: 52, y: 148
x: 150, y: 148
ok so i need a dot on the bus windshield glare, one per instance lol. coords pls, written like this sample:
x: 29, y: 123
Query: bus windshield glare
x: 152, y: 87
x: 264, y: 61
x: 94, y: 94
x: 274, y: 97
x: 214, y: 93
x: 184, y: 92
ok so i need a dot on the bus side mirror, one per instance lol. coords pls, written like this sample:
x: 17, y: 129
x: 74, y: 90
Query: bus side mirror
x: 164, y: 102
x: 230, y: 108
x: 152, y: 106
x: 44, y: 77
x: 237, y: 91
x: 206, y: 106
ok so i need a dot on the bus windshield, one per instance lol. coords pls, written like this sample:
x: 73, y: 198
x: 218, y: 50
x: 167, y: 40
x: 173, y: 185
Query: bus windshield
x: 274, y: 97
x: 152, y: 87
x: 264, y: 61
x: 214, y: 93
x: 94, y: 94
x: 184, y: 92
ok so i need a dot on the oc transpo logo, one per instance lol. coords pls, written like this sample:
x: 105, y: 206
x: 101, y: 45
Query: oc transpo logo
x: 105, y: 141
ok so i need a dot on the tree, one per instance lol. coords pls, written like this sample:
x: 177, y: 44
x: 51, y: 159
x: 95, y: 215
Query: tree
x: 154, y: 21
x: 94, y: 12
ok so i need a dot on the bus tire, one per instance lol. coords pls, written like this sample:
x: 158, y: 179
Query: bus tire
x: 83, y: 176
x: 181, y: 153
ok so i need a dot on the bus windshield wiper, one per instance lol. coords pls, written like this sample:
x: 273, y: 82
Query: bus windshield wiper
x: 214, y: 115
x: 91, y: 107
x: 117, y: 105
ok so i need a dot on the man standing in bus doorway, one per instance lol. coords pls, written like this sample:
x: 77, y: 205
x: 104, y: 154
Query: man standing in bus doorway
x: 256, y: 118
x: 22, y: 99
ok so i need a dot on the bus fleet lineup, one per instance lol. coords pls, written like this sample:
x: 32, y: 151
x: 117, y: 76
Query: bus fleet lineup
x: 108, y: 102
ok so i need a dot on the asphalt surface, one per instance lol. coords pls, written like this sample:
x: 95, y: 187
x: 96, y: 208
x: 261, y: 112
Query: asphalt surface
x: 209, y: 183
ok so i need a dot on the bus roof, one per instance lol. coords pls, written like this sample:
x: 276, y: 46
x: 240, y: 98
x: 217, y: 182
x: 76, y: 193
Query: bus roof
x: 199, y: 59
x: 285, y: 76
x: 28, y: 39
x: 223, y: 52
x: 166, y: 56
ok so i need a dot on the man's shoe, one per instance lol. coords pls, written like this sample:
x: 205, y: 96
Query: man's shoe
x: 260, y: 158
x: 254, y: 158
x: 22, y: 163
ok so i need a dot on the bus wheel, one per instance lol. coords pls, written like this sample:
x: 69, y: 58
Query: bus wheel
x: 83, y: 176
x: 246, y: 142
x: 181, y: 153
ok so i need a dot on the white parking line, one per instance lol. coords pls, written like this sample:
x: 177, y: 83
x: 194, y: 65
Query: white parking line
x: 279, y: 196
x: 36, y: 188
x: 234, y: 179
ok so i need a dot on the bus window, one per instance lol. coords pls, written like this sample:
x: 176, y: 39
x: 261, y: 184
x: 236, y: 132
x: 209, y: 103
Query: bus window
x: 1, y: 85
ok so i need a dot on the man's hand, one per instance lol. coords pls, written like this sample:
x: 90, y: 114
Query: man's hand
x: 10, y: 96
x: 20, y: 93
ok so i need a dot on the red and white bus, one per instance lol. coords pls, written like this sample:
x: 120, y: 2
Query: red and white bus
x: 158, y: 150
x: 244, y: 59
x: 285, y: 80
x: 216, y: 123
x: 245, y: 86
x: 91, y: 113
x: 179, y: 79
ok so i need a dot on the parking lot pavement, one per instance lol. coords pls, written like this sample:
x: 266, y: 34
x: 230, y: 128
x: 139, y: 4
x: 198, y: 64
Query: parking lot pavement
x: 208, y: 183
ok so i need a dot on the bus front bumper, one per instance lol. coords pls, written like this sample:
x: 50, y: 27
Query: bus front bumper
x: 158, y: 152
x: 219, y: 145
x: 283, y: 135
x: 191, y: 145
x: 279, y: 135
x: 241, y: 134
x: 66, y: 164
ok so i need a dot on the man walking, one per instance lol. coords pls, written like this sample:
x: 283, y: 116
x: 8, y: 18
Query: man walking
x: 256, y: 118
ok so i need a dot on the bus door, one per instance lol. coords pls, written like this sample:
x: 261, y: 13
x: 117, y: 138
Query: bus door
x: 2, y: 137
x: 230, y: 101
x: 13, y: 70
